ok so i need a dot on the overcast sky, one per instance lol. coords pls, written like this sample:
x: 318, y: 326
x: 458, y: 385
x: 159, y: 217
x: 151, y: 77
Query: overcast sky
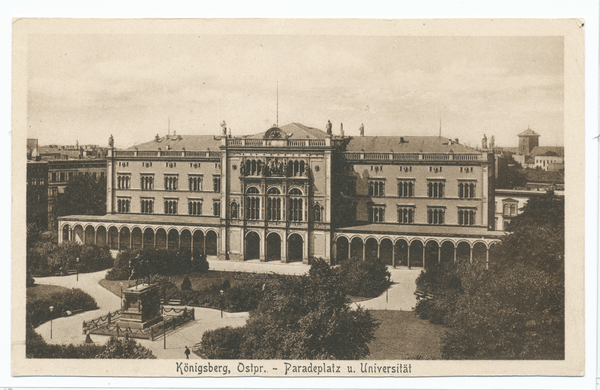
x: 86, y: 87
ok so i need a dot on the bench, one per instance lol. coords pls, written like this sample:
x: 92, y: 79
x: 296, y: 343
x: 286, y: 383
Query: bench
x: 423, y: 295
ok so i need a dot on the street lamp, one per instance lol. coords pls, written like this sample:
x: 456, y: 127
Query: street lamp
x: 51, y: 310
x: 221, y: 303
x: 121, y: 295
x: 77, y: 262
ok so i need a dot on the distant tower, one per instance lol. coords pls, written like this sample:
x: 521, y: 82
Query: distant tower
x: 528, y: 140
x: 361, y: 129
x: 342, y: 130
x: 492, y: 142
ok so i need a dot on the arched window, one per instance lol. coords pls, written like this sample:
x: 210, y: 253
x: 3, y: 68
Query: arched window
x: 252, y: 204
x: 274, y: 191
x: 318, y: 212
x: 295, y: 192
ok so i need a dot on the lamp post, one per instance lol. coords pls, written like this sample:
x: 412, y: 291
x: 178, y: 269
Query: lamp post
x: 121, y: 295
x: 221, y: 303
x: 77, y: 265
x: 51, y: 310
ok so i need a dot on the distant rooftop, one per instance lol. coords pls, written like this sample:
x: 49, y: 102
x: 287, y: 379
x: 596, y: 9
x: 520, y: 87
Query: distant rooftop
x: 529, y: 133
x: 407, y: 144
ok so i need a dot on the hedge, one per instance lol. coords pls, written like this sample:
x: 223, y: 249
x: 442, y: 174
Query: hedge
x: 38, y: 311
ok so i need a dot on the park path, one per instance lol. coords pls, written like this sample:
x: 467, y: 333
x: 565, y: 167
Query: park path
x: 400, y: 295
x: 68, y: 330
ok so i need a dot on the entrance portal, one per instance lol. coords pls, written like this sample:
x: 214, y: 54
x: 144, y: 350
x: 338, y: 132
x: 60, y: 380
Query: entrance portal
x: 273, y: 247
x: 252, y: 246
x: 295, y: 248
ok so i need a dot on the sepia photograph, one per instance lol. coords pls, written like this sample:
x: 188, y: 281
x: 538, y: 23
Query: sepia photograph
x: 270, y: 197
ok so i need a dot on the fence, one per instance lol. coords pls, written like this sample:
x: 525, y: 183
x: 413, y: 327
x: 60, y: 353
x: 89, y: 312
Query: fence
x: 109, y: 324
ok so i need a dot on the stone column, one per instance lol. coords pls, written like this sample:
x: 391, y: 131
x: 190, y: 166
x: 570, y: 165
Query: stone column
x: 439, y: 254
x: 454, y: 246
x: 487, y: 258
x: 408, y: 255
x: 470, y: 254
x: 378, y: 249
x: 393, y: 254
x: 424, y: 253
x: 364, y: 257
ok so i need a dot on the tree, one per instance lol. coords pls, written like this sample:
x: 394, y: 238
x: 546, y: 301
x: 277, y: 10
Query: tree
x: 304, y: 317
x: 82, y: 196
x: 514, y: 310
x: 364, y: 278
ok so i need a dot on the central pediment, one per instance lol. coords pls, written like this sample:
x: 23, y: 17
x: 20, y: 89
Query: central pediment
x: 275, y: 133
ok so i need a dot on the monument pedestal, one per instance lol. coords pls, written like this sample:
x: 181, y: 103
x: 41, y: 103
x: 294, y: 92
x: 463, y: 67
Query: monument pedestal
x: 141, y: 307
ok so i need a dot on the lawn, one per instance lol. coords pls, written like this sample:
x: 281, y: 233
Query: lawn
x: 403, y: 335
x: 42, y: 291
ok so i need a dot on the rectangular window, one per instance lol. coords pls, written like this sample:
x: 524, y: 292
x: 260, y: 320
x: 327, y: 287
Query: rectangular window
x: 123, y: 205
x: 147, y: 206
x: 274, y: 209
x: 170, y: 206
x: 195, y: 207
x: 62, y: 176
x: 217, y: 208
x: 376, y: 188
x: 435, y: 216
x: 146, y: 182
x: 435, y: 188
x: 252, y: 208
x: 406, y: 188
x: 406, y: 214
x: 123, y: 181
x: 171, y: 182
x: 376, y: 214
x: 296, y: 209
x: 466, y: 190
x: 216, y: 184
x: 70, y: 175
x: 195, y: 183
x: 466, y: 217
x: 53, y: 176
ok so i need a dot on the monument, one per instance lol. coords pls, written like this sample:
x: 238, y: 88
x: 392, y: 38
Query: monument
x: 141, y: 307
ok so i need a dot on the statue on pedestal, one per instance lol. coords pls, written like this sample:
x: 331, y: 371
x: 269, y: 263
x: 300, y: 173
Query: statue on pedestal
x: 328, y: 127
x: 484, y: 142
x: 361, y: 129
x: 111, y: 141
x: 224, y: 129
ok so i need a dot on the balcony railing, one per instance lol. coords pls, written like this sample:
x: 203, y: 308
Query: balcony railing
x: 357, y: 156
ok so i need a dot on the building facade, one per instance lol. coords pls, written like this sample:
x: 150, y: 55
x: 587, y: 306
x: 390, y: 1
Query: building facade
x: 295, y: 193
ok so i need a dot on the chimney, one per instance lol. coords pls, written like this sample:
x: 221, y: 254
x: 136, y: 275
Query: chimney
x: 401, y: 140
x: 342, y: 130
x: 455, y: 140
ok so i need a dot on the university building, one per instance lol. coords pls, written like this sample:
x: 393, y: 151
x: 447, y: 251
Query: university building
x: 295, y: 193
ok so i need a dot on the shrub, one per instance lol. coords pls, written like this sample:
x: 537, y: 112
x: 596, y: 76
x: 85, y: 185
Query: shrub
x: 124, y: 349
x: 368, y: 278
x: 38, y: 311
x: 30, y: 280
x: 37, y: 348
x: 222, y: 343
x: 151, y: 261
x: 225, y: 285
x: 186, y: 284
